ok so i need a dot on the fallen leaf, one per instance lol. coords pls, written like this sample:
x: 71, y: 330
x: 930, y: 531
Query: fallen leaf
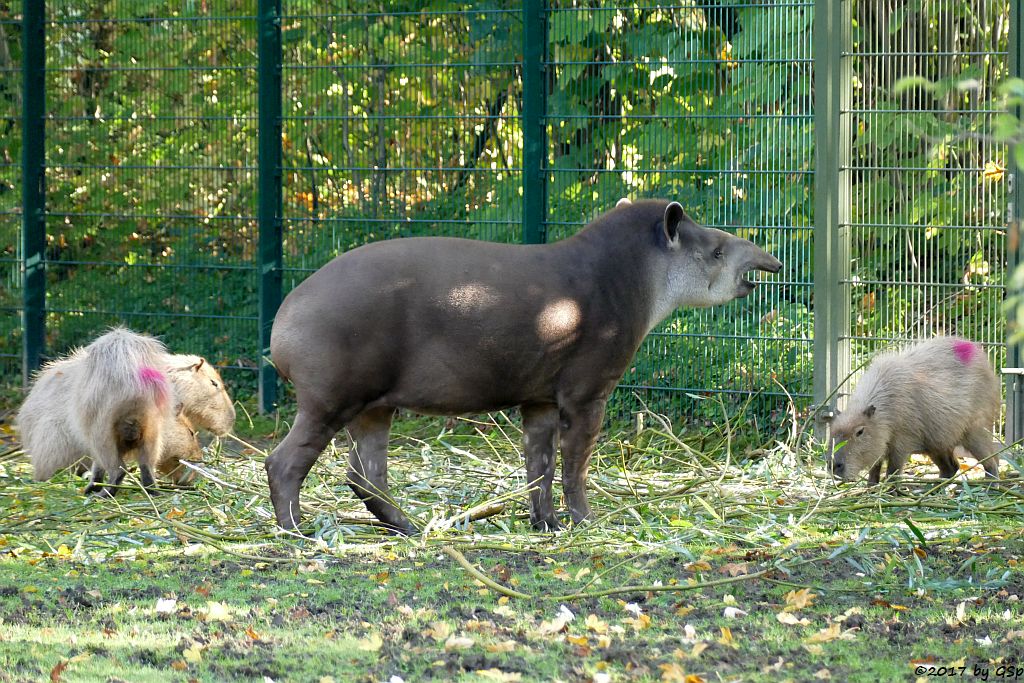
x: 217, y: 611
x: 439, y: 631
x: 57, y: 670
x: 823, y: 675
x: 727, y: 638
x: 698, y: 566
x: 790, y: 619
x: 735, y: 569
x: 166, y: 606
x: 252, y: 634
x: 457, y: 643
x: 638, y: 623
x: 503, y: 646
x: 733, y: 613
x: 558, y: 624
x: 194, y: 654
x: 499, y: 675
x: 832, y: 632
x: 672, y: 672
x: 371, y: 643
x: 595, y: 625
x: 799, y: 599
x: 179, y: 665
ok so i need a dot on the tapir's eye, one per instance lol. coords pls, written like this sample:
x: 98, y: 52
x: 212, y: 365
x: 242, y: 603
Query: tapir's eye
x: 859, y: 431
x: 718, y: 252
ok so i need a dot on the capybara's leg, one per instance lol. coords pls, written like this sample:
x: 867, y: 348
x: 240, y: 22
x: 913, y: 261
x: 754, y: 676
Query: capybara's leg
x: 96, y: 477
x: 110, y: 490
x: 875, y: 473
x: 148, y: 454
x: 291, y: 461
x: 580, y: 426
x: 170, y: 467
x: 540, y: 443
x: 368, y: 468
x: 947, y: 463
x: 979, y: 442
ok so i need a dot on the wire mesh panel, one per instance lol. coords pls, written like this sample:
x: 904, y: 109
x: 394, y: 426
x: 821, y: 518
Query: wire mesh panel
x: 708, y: 103
x: 928, y: 186
x: 151, y: 175
x: 10, y: 191
x: 398, y: 123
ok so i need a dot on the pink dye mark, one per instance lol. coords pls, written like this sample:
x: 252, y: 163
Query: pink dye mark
x: 964, y: 351
x: 154, y: 380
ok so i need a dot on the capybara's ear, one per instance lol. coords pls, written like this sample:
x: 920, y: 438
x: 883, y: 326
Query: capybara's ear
x: 625, y: 201
x: 869, y: 411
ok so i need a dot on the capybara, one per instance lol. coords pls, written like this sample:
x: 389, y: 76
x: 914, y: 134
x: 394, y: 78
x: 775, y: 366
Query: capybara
x: 931, y: 398
x: 446, y: 326
x: 123, y: 396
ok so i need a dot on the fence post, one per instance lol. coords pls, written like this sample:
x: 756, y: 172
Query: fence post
x: 832, y: 79
x: 33, y: 197
x: 1014, y: 248
x: 535, y: 38
x: 269, y: 212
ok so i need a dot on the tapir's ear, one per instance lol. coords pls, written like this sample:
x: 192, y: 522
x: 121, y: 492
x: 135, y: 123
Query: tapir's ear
x: 674, y: 215
x: 869, y: 411
x: 625, y: 201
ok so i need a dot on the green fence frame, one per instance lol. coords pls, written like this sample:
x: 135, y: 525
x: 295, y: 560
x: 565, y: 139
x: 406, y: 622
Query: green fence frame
x: 535, y: 111
x: 33, y: 155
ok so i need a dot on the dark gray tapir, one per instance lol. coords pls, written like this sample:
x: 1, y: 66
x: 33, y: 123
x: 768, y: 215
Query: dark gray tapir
x: 446, y: 326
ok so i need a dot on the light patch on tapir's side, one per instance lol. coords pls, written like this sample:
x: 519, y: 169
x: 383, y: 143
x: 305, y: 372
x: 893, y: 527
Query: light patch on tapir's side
x: 471, y: 297
x: 558, y: 322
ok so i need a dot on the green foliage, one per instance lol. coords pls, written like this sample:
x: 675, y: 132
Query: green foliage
x: 404, y: 120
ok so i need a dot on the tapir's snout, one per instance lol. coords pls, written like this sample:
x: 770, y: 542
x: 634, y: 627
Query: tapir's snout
x: 770, y: 264
x: 757, y: 259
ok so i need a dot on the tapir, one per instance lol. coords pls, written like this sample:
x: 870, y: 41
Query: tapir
x: 447, y: 326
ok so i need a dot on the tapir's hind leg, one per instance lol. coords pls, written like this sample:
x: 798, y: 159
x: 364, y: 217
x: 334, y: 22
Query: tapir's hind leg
x: 291, y: 461
x: 368, y: 467
x: 580, y: 426
x: 540, y: 443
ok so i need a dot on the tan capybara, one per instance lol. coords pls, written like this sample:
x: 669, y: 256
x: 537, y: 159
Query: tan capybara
x: 935, y: 396
x: 123, y: 397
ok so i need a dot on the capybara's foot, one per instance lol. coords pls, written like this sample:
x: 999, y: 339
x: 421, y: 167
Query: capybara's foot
x: 546, y: 523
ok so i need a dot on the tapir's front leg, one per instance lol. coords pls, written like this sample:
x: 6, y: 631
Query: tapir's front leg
x: 540, y: 443
x: 580, y: 426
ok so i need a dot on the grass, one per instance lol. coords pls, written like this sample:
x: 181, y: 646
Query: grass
x: 712, y: 557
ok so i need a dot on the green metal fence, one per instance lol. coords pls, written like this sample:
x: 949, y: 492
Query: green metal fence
x: 920, y: 187
x: 201, y: 159
x: 10, y: 192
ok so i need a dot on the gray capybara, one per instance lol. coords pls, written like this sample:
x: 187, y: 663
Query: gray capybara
x: 935, y: 396
x: 122, y: 397
x: 446, y: 326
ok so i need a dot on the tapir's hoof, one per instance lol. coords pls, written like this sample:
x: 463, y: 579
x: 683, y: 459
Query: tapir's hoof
x: 406, y: 529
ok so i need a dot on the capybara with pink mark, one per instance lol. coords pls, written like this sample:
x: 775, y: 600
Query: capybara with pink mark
x: 931, y: 398
x: 122, y: 397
